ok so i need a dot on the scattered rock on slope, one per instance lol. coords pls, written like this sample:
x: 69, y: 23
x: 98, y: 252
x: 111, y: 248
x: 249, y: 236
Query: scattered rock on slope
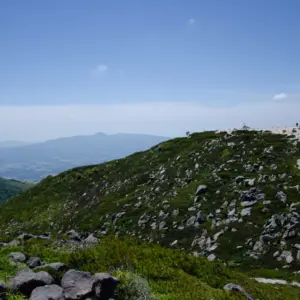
x: 17, y: 256
x: 34, y: 262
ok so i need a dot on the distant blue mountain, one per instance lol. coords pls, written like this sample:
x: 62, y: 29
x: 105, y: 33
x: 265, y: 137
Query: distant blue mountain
x: 35, y: 161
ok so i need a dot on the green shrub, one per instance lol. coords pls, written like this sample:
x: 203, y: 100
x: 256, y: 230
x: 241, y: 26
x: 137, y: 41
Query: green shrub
x: 133, y: 287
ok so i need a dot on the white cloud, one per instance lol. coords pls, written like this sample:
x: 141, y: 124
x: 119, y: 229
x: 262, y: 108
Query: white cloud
x: 101, y: 69
x: 191, y: 21
x: 280, y: 96
x: 162, y: 118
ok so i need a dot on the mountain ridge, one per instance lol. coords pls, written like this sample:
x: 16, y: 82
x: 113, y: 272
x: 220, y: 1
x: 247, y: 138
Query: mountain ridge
x: 225, y: 196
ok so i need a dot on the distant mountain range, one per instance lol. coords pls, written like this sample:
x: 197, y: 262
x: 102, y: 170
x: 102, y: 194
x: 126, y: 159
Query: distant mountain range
x: 33, y: 162
x: 12, y: 144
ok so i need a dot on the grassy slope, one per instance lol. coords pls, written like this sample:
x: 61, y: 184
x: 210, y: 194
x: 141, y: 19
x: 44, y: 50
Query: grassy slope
x: 10, y: 188
x: 146, y: 183
x: 171, y: 274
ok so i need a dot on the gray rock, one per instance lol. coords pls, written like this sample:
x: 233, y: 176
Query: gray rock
x: 211, y: 257
x: 239, y: 179
x: 105, y: 285
x: 3, y: 288
x: 258, y: 246
x: 162, y: 225
x: 25, y: 236
x: 289, y: 234
x: 77, y: 285
x: 201, y: 218
x: 281, y: 196
x: 297, y: 246
x: 34, y: 262
x: 248, y: 203
x: 237, y: 288
x: 13, y: 243
x: 56, y: 266
x: 91, y: 239
x: 287, y: 256
x: 191, y: 221
x: 48, y: 292
x: 201, y: 189
x: 17, y: 256
x: 249, y: 182
x: 74, y: 235
x: 246, y: 212
x: 26, y: 281
x: 175, y: 212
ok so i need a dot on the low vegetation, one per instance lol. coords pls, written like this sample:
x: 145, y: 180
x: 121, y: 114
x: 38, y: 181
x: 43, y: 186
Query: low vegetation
x: 148, y: 271
x: 10, y: 188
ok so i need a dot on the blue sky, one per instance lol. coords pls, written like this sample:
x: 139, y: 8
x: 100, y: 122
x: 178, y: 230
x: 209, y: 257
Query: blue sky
x: 213, y: 54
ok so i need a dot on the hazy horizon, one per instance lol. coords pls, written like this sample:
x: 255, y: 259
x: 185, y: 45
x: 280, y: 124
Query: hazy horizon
x: 40, y: 123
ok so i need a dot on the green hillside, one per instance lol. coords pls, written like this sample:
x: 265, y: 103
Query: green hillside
x: 10, y: 188
x: 233, y: 197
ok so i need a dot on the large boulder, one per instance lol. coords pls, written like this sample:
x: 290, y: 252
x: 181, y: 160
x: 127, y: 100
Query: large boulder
x: 77, y: 285
x: 237, y: 288
x: 26, y: 281
x: 105, y: 285
x: 17, y: 256
x: 34, y: 262
x: 48, y: 292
